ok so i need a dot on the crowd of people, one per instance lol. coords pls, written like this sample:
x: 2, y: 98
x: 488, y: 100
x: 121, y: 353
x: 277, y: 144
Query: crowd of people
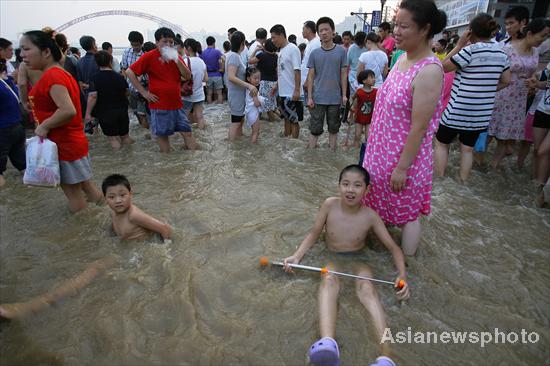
x: 398, y: 86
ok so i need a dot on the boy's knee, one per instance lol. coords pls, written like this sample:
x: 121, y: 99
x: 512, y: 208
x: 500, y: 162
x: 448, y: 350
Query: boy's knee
x: 365, y: 286
x: 330, y: 281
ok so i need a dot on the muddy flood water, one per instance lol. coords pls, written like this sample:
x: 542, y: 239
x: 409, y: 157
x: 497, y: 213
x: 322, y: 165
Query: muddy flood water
x: 484, y: 262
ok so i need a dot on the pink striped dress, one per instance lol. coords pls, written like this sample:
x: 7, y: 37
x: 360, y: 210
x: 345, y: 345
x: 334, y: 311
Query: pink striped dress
x: 391, y: 123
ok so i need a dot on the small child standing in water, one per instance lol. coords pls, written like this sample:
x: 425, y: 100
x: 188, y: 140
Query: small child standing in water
x: 364, y: 99
x: 347, y: 222
x: 129, y: 223
x: 254, y: 104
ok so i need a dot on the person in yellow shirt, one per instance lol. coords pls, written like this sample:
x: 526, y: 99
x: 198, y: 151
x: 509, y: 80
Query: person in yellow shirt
x: 439, y: 49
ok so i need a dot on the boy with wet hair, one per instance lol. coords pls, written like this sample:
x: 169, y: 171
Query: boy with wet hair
x: 129, y: 222
x: 347, y: 222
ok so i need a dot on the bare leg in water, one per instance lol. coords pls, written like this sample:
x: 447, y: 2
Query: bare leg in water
x: 410, y: 237
x: 368, y: 296
x: 68, y: 288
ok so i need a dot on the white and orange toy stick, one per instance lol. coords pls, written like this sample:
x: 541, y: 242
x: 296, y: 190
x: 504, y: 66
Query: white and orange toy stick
x: 324, y: 270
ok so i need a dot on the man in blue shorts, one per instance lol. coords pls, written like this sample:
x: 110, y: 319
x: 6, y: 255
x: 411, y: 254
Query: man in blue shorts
x: 166, y: 69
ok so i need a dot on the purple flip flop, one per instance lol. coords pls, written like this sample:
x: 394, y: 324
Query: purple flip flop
x: 324, y: 352
x: 383, y: 361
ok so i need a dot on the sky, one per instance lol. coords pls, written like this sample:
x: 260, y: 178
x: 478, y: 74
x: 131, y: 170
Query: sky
x: 17, y: 16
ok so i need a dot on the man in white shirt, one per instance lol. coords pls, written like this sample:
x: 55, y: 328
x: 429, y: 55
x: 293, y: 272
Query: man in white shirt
x: 261, y: 37
x: 310, y: 33
x: 288, y: 81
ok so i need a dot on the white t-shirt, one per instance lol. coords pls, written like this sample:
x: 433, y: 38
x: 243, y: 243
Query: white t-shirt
x: 480, y: 66
x: 375, y: 61
x: 313, y: 44
x: 289, y: 60
x: 244, y: 56
x: 9, y: 68
x: 252, y: 49
x: 198, y: 69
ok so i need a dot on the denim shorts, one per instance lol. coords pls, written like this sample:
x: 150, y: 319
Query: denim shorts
x: 214, y: 82
x: 166, y: 122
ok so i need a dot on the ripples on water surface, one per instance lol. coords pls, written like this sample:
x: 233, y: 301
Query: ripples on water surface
x: 483, y: 263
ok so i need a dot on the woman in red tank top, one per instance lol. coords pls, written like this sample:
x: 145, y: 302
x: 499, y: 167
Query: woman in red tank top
x: 55, y: 104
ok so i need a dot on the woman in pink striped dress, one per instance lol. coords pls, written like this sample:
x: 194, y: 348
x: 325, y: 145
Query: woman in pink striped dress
x: 406, y: 114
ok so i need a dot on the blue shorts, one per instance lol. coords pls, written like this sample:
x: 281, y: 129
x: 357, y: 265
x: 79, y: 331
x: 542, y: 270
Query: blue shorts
x: 166, y: 122
x: 481, y: 143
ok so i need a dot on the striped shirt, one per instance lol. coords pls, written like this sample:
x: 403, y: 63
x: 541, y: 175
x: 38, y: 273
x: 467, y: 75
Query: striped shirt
x: 128, y: 58
x: 474, y: 87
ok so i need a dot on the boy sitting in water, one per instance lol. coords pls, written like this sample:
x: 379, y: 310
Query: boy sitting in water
x: 347, y: 222
x: 129, y: 222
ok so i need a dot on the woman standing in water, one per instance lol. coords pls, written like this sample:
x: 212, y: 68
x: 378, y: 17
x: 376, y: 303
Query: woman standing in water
x: 55, y: 103
x: 408, y: 107
x: 235, y: 70
x: 508, y: 120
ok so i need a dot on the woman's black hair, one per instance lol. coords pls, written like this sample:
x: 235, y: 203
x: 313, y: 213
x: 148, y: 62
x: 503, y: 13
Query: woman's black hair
x: 425, y: 12
x: 194, y: 45
x: 483, y: 25
x: 251, y: 70
x: 373, y: 37
x: 269, y: 46
x: 237, y: 39
x: 61, y: 41
x: 535, y: 26
x: 103, y: 58
x: 44, y: 41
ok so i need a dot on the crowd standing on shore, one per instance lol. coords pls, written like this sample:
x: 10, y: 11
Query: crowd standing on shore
x: 400, y: 87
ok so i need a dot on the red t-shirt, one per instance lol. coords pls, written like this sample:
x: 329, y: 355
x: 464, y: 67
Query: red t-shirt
x: 365, y: 105
x: 164, y: 79
x: 71, y: 141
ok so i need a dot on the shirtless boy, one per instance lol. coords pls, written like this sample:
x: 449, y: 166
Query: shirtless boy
x: 347, y: 222
x: 129, y: 223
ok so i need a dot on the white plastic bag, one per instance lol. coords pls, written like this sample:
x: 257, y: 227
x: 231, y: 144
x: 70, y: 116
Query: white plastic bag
x: 42, y: 163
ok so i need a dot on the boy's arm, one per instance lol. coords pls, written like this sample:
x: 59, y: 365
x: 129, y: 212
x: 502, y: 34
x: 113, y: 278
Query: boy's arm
x: 398, y: 259
x: 311, y: 237
x: 140, y: 218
